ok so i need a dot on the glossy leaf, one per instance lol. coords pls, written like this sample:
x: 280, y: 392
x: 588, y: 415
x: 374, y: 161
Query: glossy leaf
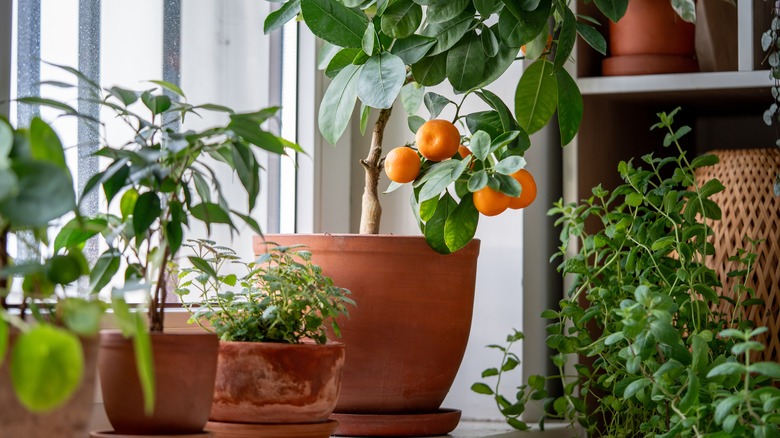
x: 338, y: 103
x: 570, y: 106
x: 566, y: 38
x: 45, y: 145
x: 38, y: 200
x: 434, y: 228
x: 413, y: 48
x: 341, y: 59
x: 401, y: 18
x: 46, y: 366
x: 63, y: 269
x: 593, y: 37
x: 105, y: 268
x: 77, y: 231
x: 431, y: 70
x: 435, y: 103
x: 210, y: 213
x: 520, y: 27
x: 248, y: 171
x: 380, y: 80
x: 334, y: 22
x: 489, y: 42
x: 446, y: 10
x: 412, y: 97
x: 485, y: 7
x: 448, y: 33
x: 146, y: 211
x: 536, y: 96
x: 510, y: 165
x: 613, y: 9
x: 4, y: 336
x: 251, y: 131
x: 157, y: 104
x: 144, y: 363
x: 82, y: 316
x: 414, y: 123
x: 466, y: 63
x: 368, y: 39
x: 480, y: 145
x: 278, y: 18
x: 461, y: 225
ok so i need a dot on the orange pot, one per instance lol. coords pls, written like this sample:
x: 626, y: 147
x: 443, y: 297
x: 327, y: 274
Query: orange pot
x: 407, y: 335
x: 264, y: 382
x: 184, y: 367
x: 650, y: 39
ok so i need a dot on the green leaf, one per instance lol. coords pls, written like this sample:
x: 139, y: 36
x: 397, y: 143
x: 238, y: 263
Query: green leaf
x: 414, y: 123
x: 341, y: 59
x: 566, y: 38
x: 401, y: 19
x: 412, y: 97
x: 725, y: 407
x: 508, y: 123
x: 461, y: 224
x: 726, y: 369
x: 38, y: 200
x: 593, y: 37
x: 45, y: 145
x: 480, y: 145
x: 431, y: 70
x: 466, y: 63
x: 203, y: 266
x: 704, y: 160
x: 488, y: 121
x: 39, y: 101
x: 278, y: 18
x: 497, y: 65
x: 769, y: 369
x: 523, y: 26
x: 436, y: 180
x: 64, y: 269
x: 634, y: 199
x: 435, y: 103
x: 248, y: 171
x: 485, y: 7
x: 664, y: 333
x: 613, y: 9
x: 481, y: 388
x: 169, y: 86
x: 570, y: 106
x: 144, y: 362
x: 438, y: 12
x: 147, y: 210
x: 210, y: 213
x: 6, y: 140
x: 448, y: 33
x: 157, y: 104
x: 251, y: 131
x: 686, y: 9
x: 365, y: 111
x: 434, y: 228
x: 77, y: 231
x: 710, y: 188
x: 82, y: 316
x: 380, y: 80
x: 4, y: 335
x: 105, y: 268
x: 412, y: 48
x: 338, y: 103
x: 127, y: 97
x: 536, y: 96
x: 334, y: 22
x: 510, y: 165
x: 635, y: 386
x: 46, y: 367
x: 368, y: 39
x: 478, y: 181
x: 691, y: 397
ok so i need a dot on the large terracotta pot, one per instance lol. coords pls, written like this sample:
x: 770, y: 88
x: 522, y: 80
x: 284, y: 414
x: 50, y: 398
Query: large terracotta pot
x: 184, y: 365
x: 263, y: 382
x: 407, y: 335
x: 650, y: 39
x: 67, y: 421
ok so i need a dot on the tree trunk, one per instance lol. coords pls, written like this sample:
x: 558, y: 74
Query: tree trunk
x: 371, y: 212
x: 3, y: 263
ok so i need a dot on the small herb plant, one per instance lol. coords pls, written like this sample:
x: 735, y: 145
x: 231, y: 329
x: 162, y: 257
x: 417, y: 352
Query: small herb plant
x: 640, y: 308
x: 283, y: 297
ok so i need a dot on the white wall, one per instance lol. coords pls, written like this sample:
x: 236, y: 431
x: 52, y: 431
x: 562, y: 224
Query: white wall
x: 499, y: 294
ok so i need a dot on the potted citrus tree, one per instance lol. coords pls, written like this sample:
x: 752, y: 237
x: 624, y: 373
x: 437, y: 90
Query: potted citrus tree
x: 277, y: 371
x: 157, y: 184
x: 48, y: 342
x: 382, y: 52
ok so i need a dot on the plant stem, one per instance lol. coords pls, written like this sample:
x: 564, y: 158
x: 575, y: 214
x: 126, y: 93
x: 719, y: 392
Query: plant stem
x: 371, y: 210
x: 3, y: 264
x: 156, y: 314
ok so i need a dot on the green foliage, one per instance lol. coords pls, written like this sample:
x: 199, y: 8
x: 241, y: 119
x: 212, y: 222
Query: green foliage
x: 283, y: 297
x: 770, y: 44
x: 640, y: 306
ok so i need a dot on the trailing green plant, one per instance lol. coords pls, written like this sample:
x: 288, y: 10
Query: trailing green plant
x: 45, y: 360
x: 640, y: 308
x: 770, y: 44
x: 283, y: 297
x: 160, y: 181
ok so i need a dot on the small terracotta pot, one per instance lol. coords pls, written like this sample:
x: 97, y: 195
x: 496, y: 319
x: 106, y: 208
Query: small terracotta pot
x: 407, y: 334
x: 67, y: 421
x: 650, y: 39
x: 184, y: 367
x: 264, y: 382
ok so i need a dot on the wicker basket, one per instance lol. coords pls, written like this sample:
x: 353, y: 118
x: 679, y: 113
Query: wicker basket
x: 749, y: 209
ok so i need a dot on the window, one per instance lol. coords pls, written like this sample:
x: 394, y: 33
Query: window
x: 215, y: 50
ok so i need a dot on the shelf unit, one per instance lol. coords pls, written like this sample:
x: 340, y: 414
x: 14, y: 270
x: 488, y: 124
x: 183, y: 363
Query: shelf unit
x: 723, y: 108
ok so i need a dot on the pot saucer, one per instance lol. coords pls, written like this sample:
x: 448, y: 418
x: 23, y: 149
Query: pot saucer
x: 111, y: 434
x: 436, y: 423
x: 247, y: 430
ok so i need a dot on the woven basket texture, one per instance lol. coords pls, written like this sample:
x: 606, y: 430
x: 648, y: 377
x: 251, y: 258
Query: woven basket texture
x: 751, y: 209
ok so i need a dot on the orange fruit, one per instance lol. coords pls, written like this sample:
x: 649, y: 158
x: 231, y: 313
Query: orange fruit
x: 437, y: 140
x: 490, y: 202
x: 402, y: 165
x: 463, y: 151
x: 528, y: 194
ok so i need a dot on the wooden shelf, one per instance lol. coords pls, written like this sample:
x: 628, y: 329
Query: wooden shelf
x: 670, y: 84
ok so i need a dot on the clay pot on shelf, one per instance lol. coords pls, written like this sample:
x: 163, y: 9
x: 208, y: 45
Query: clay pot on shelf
x: 406, y: 337
x: 185, y: 367
x: 650, y: 39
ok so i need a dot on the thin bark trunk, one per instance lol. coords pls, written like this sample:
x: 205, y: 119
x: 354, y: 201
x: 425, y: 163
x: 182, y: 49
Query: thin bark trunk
x: 3, y: 264
x: 157, y: 306
x: 371, y: 212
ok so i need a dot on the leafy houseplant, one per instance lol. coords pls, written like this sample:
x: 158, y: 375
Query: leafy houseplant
x: 276, y: 313
x: 50, y: 360
x: 770, y: 43
x: 162, y: 180
x: 640, y: 308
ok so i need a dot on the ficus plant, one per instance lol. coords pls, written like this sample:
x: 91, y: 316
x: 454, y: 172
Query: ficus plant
x: 640, y: 347
x: 380, y: 51
x: 281, y: 297
x: 157, y: 184
x: 39, y: 338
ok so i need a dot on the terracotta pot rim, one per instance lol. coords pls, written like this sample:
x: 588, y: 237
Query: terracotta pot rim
x: 371, y: 240
x: 111, y: 338
x: 283, y: 345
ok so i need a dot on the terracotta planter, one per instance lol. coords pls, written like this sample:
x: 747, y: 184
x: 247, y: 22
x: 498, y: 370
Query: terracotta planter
x: 262, y: 382
x: 407, y: 335
x: 650, y: 39
x: 185, y: 366
x: 67, y: 421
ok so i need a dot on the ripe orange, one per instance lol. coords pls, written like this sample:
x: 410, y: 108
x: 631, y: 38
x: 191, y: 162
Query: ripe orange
x: 437, y: 140
x: 463, y: 151
x: 528, y: 194
x: 490, y: 202
x: 402, y: 165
